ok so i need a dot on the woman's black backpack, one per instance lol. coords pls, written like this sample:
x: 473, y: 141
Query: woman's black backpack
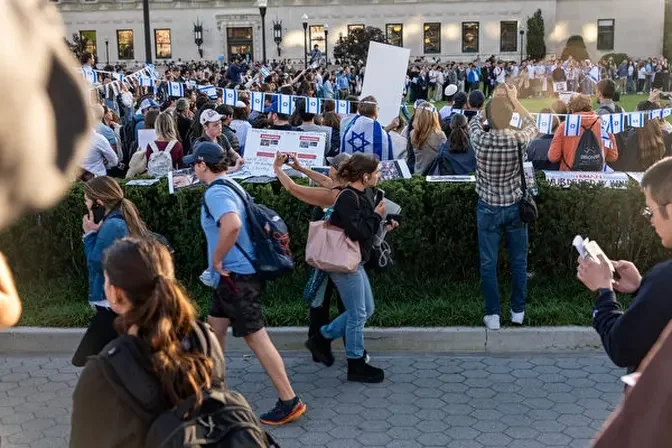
x: 223, y: 420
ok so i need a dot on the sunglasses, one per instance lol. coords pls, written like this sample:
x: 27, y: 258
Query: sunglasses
x: 648, y: 213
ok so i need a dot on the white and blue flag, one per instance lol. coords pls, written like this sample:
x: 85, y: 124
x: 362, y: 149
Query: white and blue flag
x: 573, y: 126
x: 175, y: 89
x: 146, y: 81
x: 637, y: 119
x: 230, y: 97
x: 151, y: 71
x: 313, y: 105
x: 545, y: 123
x: 257, y: 101
x: 616, y: 123
x: 119, y: 76
x: 265, y: 72
x: 286, y: 104
x: 210, y: 91
x: 366, y: 135
x: 89, y: 74
x: 667, y: 112
x: 342, y: 107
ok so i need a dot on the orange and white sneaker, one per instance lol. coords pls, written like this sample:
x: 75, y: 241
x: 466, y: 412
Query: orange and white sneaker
x: 284, y: 412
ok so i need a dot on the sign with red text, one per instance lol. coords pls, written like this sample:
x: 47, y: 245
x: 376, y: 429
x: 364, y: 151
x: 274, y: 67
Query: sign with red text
x: 261, y: 146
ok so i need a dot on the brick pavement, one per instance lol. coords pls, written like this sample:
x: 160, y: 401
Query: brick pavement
x: 426, y: 400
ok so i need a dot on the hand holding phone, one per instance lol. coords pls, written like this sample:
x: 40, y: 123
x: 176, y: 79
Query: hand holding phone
x: 380, y: 195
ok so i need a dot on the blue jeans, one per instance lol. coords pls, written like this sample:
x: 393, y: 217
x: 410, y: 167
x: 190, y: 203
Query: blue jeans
x: 355, y: 291
x: 491, y: 222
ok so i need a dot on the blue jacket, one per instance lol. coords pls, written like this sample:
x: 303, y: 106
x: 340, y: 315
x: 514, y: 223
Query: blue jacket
x: 114, y: 228
x: 139, y: 124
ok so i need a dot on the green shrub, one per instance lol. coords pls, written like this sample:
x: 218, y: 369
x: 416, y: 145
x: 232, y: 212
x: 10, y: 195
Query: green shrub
x: 436, y: 243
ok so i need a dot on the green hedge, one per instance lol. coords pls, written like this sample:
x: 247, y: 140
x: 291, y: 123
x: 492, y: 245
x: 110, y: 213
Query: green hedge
x: 436, y: 243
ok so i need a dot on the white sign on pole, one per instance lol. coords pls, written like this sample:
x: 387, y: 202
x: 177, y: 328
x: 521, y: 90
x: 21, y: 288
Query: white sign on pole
x: 261, y: 145
x: 567, y: 178
x: 384, y: 78
x: 145, y: 137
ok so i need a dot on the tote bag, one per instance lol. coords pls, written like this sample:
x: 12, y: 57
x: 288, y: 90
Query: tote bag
x: 329, y: 249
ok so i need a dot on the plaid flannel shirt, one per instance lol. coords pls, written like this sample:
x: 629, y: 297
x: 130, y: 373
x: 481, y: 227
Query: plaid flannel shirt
x: 497, y: 167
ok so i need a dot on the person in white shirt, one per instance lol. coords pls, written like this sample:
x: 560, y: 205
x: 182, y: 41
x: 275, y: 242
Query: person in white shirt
x: 101, y: 156
x: 440, y: 81
x: 500, y: 73
x: 447, y: 110
x: 433, y: 73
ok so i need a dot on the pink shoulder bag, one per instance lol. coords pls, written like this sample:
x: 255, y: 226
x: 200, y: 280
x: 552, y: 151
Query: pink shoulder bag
x: 329, y: 249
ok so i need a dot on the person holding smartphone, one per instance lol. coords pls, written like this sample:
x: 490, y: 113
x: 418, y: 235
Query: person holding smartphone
x: 110, y: 217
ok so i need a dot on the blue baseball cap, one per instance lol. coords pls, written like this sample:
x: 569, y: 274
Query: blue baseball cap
x: 148, y: 103
x: 207, y: 152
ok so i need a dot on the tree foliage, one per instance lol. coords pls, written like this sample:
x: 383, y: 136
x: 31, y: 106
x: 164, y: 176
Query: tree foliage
x: 77, y: 45
x: 536, y: 45
x: 576, y: 48
x: 355, y: 47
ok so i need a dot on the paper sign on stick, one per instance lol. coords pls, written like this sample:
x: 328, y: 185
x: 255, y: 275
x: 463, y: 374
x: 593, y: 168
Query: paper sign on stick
x: 261, y: 145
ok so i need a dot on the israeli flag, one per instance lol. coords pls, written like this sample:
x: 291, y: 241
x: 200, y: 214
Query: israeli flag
x: 230, y: 97
x: 286, y: 104
x: 545, y: 123
x: 119, y: 76
x: 313, y: 105
x: 616, y: 123
x: 175, y: 89
x: 146, y: 81
x: 342, y: 107
x: 89, y: 75
x: 458, y: 111
x: 516, y: 120
x: 658, y: 113
x: 667, y: 112
x: 606, y: 140
x: 265, y: 72
x: 637, y: 119
x: 210, y: 91
x: 366, y: 135
x: 257, y: 100
x: 151, y: 71
x: 594, y: 74
x: 573, y: 126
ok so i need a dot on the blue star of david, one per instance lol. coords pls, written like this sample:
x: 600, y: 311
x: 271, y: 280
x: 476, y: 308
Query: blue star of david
x: 361, y: 147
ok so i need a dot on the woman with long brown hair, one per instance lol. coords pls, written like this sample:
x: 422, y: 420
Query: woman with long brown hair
x: 426, y: 136
x: 110, y: 217
x: 160, y: 343
x: 644, y: 146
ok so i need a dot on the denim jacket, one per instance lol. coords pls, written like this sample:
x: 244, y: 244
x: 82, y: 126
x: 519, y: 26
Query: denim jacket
x: 95, y: 244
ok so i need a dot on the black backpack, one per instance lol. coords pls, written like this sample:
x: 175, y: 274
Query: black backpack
x: 223, y: 420
x: 588, y: 156
x: 269, y: 234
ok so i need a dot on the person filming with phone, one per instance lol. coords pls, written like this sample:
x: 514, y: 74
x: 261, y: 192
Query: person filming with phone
x: 628, y: 336
x: 110, y: 217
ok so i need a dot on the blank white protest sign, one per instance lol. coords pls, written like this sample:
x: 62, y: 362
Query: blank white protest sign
x: 384, y: 78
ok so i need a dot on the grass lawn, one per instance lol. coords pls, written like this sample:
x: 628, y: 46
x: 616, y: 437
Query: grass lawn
x: 62, y: 303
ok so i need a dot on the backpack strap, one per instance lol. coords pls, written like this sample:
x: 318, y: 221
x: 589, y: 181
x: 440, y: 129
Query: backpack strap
x: 170, y: 146
x: 154, y: 147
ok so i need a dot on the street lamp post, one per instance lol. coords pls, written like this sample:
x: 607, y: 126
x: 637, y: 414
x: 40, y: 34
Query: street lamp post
x: 522, y: 35
x: 305, y: 40
x: 148, y: 39
x: 107, y: 50
x: 277, y: 35
x: 326, y: 43
x: 198, y: 36
x: 263, y: 4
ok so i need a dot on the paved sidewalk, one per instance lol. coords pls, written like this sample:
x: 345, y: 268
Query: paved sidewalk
x: 427, y: 400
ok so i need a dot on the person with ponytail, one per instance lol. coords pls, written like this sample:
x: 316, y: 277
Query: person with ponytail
x: 360, y: 220
x: 176, y: 357
x: 110, y: 217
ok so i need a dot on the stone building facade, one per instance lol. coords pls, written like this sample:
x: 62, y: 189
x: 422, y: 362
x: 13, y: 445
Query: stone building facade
x: 450, y: 29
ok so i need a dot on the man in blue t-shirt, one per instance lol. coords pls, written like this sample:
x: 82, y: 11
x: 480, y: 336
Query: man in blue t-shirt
x: 237, y: 298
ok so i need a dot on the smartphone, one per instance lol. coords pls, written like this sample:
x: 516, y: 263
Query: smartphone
x: 98, y: 212
x: 380, y: 195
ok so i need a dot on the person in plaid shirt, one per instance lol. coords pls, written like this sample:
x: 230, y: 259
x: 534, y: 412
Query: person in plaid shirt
x: 499, y: 189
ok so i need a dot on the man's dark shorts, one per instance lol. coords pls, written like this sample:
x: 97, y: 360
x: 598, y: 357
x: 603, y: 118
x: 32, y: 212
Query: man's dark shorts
x: 238, y: 298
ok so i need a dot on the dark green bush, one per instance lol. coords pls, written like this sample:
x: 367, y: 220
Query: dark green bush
x: 436, y: 243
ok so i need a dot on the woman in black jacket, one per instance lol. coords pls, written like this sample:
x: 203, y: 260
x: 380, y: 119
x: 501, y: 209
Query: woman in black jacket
x: 360, y: 220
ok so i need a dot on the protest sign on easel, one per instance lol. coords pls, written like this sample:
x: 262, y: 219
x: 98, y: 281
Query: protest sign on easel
x: 385, y: 77
x: 568, y: 178
x: 261, y: 145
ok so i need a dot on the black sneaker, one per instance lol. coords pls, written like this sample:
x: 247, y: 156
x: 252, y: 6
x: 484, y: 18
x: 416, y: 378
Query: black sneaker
x: 284, y: 412
x: 360, y: 371
x: 320, y: 347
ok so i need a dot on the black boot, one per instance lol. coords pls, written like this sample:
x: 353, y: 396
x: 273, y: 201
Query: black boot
x: 360, y: 371
x: 320, y: 347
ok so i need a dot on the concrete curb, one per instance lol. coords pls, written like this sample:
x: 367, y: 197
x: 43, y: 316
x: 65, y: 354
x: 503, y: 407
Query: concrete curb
x: 25, y: 340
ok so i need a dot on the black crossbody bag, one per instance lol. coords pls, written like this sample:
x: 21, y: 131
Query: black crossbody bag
x: 528, y: 208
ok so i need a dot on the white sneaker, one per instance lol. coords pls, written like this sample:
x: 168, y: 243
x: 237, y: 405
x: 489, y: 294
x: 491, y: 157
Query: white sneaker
x: 491, y: 321
x: 517, y: 318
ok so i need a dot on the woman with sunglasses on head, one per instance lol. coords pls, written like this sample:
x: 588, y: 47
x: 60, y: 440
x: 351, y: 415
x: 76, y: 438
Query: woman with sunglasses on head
x: 110, y: 217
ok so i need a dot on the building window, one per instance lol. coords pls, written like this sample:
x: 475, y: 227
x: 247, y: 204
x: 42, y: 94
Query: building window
x: 395, y: 34
x: 352, y: 28
x: 470, y: 37
x: 316, y: 36
x: 432, y: 38
x: 125, y: 48
x: 88, y: 40
x: 605, y: 34
x: 508, y: 36
x: 163, y: 47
